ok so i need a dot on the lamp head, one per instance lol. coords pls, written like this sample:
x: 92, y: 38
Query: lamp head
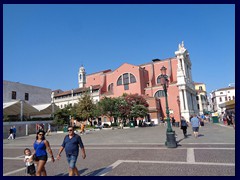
x: 163, y: 70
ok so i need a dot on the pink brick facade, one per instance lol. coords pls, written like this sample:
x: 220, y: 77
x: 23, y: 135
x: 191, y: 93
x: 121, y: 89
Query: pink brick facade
x: 145, y: 84
x: 143, y: 80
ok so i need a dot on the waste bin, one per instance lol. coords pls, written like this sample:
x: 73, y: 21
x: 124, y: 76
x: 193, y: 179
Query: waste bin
x: 65, y: 128
x: 215, y: 119
x: 131, y: 124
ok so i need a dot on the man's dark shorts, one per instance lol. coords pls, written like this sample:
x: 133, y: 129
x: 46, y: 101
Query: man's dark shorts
x: 195, y: 129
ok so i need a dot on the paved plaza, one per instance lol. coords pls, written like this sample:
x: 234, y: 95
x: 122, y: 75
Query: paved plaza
x: 137, y: 152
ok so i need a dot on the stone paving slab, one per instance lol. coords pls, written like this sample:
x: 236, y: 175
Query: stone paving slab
x: 137, y: 151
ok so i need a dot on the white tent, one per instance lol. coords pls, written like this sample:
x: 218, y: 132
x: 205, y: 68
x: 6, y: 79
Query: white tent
x: 18, y: 107
x: 15, y: 108
x: 45, y: 108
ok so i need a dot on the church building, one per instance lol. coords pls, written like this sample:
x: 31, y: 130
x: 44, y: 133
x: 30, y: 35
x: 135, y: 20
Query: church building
x: 144, y: 80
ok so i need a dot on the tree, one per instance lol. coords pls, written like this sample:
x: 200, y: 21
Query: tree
x: 138, y: 111
x: 62, y: 116
x: 135, y: 99
x: 85, y: 107
x: 107, y: 107
x: 123, y: 108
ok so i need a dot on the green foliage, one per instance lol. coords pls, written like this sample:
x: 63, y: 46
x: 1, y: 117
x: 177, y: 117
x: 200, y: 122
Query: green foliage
x: 59, y: 122
x: 138, y: 111
x: 62, y: 116
x: 85, y: 108
x: 6, y: 117
x: 107, y: 106
x: 124, y: 107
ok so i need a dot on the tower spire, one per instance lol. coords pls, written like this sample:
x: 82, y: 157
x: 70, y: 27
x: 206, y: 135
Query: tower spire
x: 81, y: 77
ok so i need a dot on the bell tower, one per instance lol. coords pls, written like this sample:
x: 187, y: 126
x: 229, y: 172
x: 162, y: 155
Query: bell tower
x: 187, y: 93
x: 81, y: 77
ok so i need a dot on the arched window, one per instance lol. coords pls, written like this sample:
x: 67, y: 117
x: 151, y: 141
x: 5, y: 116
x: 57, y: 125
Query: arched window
x: 132, y: 78
x: 160, y: 93
x: 126, y: 79
x: 159, y: 79
x: 119, y: 81
x: 220, y: 99
x: 110, y: 87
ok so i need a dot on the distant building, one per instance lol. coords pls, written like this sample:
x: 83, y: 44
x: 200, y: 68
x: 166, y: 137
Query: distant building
x: 202, y: 100
x: 22, y: 101
x: 221, y: 96
x: 71, y: 97
x: 14, y: 91
x: 144, y: 80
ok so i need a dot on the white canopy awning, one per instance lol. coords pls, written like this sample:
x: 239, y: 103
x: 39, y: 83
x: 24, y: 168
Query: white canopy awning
x: 46, y: 108
x: 14, y: 108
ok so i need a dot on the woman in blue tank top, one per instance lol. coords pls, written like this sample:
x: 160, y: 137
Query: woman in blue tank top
x: 41, y: 145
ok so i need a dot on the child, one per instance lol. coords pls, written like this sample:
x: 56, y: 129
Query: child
x: 28, y: 159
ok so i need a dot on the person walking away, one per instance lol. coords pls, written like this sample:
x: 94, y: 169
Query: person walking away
x: 173, y: 121
x: 233, y: 121
x: 49, y: 129
x: 184, y: 125
x: 195, y: 122
x: 10, y: 133
x: 28, y: 159
x: 14, y: 132
x: 225, y: 119
x: 229, y: 119
x: 41, y: 145
x: 82, y: 130
x: 71, y: 143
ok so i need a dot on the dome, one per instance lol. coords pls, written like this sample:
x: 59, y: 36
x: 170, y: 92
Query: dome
x: 82, y: 69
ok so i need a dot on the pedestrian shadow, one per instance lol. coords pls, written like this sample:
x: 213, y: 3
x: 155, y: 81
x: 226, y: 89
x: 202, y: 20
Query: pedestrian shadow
x: 66, y: 174
x: 94, y: 173
x: 184, y: 138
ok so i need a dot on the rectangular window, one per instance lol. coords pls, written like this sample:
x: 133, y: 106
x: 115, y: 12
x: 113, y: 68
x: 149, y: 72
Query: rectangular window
x: 126, y: 87
x: 26, y: 96
x: 14, y: 95
x: 125, y: 78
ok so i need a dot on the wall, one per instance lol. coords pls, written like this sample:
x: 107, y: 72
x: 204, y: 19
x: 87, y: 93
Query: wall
x: 37, y: 95
x: 23, y: 128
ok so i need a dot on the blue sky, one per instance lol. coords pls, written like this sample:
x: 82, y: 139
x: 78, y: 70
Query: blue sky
x: 44, y: 45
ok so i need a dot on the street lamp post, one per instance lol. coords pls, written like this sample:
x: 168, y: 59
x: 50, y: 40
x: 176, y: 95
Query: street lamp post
x: 171, y: 139
x: 179, y: 109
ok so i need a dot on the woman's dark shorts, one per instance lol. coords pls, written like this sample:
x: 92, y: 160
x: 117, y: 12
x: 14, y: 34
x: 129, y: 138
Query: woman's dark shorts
x: 43, y: 158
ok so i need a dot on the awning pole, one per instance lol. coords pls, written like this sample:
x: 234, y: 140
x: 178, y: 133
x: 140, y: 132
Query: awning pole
x: 21, y: 110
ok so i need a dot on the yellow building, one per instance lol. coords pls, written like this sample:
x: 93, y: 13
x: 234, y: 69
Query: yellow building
x: 201, y: 97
